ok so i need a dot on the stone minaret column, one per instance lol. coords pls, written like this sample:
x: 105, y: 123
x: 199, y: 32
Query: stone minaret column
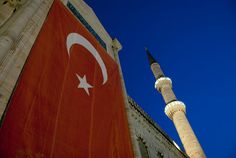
x: 176, y: 110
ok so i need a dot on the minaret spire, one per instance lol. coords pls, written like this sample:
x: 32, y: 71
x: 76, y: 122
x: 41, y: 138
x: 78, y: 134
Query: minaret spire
x: 176, y: 111
x: 150, y: 57
x: 156, y: 69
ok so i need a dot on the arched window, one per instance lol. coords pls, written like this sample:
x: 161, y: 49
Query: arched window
x: 160, y: 155
x: 143, y: 148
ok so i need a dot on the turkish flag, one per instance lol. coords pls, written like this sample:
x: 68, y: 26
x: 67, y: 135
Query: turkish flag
x: 68, y: 102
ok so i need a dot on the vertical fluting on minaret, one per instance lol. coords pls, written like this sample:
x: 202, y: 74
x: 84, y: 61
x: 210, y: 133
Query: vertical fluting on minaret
x: 176, y: 111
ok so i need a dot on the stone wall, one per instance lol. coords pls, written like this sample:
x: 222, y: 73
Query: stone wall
x: 17, y: 36
x: 158, y: 143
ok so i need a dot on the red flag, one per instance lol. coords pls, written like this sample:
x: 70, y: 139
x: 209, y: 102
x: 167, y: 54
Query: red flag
x: 68, y: 101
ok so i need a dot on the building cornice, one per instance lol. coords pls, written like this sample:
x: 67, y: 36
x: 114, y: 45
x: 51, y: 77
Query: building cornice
x: 134, y: 105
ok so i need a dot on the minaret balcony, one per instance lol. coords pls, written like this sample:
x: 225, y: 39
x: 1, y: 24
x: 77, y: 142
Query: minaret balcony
x: 173, y: 107
x: 163, y: 81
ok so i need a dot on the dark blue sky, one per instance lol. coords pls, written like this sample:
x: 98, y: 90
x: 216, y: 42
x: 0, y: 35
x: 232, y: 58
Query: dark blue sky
x: 195, y: 44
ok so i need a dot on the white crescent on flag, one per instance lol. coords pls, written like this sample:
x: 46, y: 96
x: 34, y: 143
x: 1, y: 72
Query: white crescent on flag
x: 75, y: 38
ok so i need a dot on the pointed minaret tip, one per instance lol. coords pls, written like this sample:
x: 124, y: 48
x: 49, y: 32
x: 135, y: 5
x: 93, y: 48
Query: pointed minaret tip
x: 150, y: 57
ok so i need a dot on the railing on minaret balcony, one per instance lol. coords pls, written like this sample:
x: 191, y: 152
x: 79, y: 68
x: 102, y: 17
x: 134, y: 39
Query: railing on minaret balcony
x: 176, y: 111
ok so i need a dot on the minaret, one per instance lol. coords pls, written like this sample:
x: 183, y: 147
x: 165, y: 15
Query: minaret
x: 176, y: 111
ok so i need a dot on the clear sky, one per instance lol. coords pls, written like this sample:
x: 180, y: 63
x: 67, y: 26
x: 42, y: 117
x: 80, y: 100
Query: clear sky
x: 195, y: 44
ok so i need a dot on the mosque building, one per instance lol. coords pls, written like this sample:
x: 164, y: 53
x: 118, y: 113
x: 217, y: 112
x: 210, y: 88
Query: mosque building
x: 20, y: 25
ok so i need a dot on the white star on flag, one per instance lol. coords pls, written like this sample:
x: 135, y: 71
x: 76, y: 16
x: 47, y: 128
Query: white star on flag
x: 83, y: 83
